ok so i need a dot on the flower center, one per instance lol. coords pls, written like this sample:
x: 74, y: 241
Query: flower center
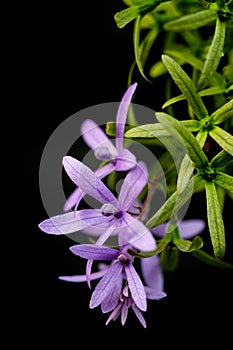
x: 122, y: 258
x: 108, y: 210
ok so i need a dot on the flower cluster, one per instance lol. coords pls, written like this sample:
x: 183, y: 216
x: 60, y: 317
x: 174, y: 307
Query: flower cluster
x: 120, y: 287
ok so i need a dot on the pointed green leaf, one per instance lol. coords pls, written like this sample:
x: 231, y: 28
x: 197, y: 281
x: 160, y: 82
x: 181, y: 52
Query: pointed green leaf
x: 192, y: 21
x: 225, y: 181
x: 178, y: 130
x: 185, y: 172
x: 221, y: 159
x: 137, y: 51
x: 186, y: 58
x: 214, y: 54
x: 211, y: 260
x: 222, y: 113
x: 201, y: 137
x: 215, y: 220
x: 187, y: 246
x: 223, y: 138
x: 127, y: 15
x: 141, y: 50
x: 175, y: 202
x: 186, y: 86
x: 147, y: 131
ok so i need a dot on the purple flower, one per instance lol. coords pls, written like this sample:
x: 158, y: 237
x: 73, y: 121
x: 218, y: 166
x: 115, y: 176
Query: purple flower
x: 118, y: 157
x: 113, y: 216
x: 121, y: 287
x: 187, y: 228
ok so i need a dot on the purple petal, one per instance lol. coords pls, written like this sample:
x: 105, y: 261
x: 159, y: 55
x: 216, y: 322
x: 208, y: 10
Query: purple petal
x: 122, y: 115
x: 125, y: 160
x: 188, y: 228
x: 191, y: 228
x: 106, y: 284
x: 87, y: 180
x: 124, y: 313
x: 154, y: 294
x: 136, y: 287
x: 94, y: 252
x: 152, y: 272
x: 105, y: 170
x: 111, y: 300
x: 73, y: 199
x: 134, y: 182
x: 83, y: 278
x: 139, y: 315
x: 140, y: 236
x: 66, y: 223
x: 94, y: 137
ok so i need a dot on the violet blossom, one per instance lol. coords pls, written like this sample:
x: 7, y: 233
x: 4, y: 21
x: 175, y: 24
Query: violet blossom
x: 113, y: 218
x: 120, y: 287
x: 118, y: 158
x: 187, y: 228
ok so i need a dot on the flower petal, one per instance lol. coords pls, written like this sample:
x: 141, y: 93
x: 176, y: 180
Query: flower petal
x: 125, y: 160
x: 83, y: 278
x: 95, y: 137
x: 136, y: 287
x: 111, y: 300
x: 154, y: 294
x: 152, y: 272
x: 122, y: 115
x: 70, y: 222
x: 94, y: 252
x: 140, y: 236
x: 134, y: 182
x: 87, y: 180
x: 73, y: 199
x: 62, y: 224
x: 139, y: 315
x: 188, y: 228
x: 106, y: 284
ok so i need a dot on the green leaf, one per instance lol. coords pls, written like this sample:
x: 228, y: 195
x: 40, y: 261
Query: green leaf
x: 215, y: 220
x: 222, y: 113
x: 185, y: 57
x: 192, y: 21
x: 141, y: 50
x: 225, y: 181
x: 223, y: 138
x: 214, y: 54
x: 187, y: 246
x: 211, y: 260
x: 127, y: 15
x: 137, y: 51
x: 175, y: 202
x: 147, y: 131
x: 201, y: 137
x: 186, y: 86
x: 185, y: 172
x: 221, y: 159
x: 178, y: 130
x: 157, y: 69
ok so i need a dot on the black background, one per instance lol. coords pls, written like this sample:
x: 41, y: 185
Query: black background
x: 69, y: 56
